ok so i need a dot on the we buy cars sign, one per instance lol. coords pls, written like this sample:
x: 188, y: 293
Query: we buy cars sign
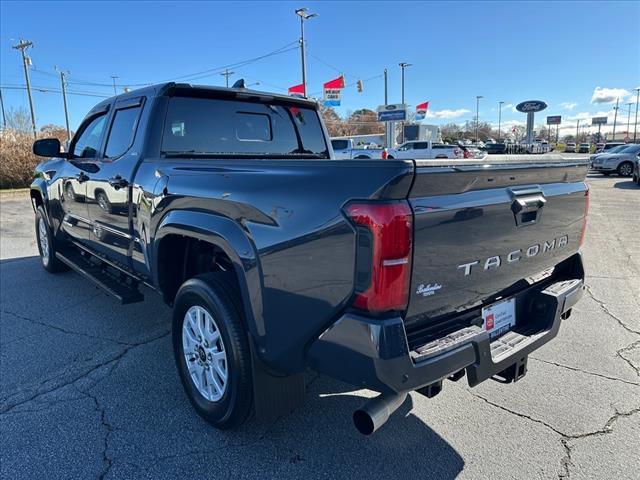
x: 332, y: 92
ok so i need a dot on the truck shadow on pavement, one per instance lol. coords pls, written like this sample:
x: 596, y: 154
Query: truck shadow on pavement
x: 90, y: 389
x: 626, y: 185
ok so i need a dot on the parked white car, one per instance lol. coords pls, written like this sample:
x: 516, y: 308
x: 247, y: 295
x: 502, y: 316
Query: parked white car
x: 425, y: 150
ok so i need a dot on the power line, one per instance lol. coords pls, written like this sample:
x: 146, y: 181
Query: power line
x: 53, y: 90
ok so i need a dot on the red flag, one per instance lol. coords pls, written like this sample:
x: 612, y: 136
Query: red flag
x: 297, y: 89
x: 423, y: 106
x: 335, y: 83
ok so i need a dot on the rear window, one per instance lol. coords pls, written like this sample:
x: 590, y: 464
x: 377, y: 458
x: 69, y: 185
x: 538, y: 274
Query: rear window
x: 340, y: 144
x: 231, y: 127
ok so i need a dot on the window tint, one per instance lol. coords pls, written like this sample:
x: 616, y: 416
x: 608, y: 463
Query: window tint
x: 406, y: 146
x: 340, y: 144
x: 421, y: 145
x: 227, y: 127
x: 122, y: 131
x: 89, y: 142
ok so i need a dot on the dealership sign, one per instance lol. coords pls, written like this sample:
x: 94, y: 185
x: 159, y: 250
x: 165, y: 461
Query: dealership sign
x: 531, y: 106
x: 332, y: 90
x: 599, y: 121
x: 392, y: 113
x: 554, y: 120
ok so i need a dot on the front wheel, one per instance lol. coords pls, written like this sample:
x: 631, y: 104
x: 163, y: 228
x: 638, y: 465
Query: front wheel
x: 46, y: 244
x: 211, y: 349
x: 625, y: 169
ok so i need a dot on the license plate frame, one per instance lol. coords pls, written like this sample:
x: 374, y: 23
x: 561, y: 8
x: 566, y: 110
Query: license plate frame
x: 499, y: 317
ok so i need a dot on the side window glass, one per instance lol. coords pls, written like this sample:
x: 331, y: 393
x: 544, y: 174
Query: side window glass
x: 122, y: 132
x: 89, y: 142
x: 421, y: 146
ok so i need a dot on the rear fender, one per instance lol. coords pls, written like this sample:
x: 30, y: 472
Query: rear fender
x: 227, y: 235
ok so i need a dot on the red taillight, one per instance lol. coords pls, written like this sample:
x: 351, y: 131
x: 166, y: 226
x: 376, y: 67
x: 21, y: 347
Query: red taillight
x: 385, y: 238
x: 586, y: 214
x: 468, y: 154
x: 385, y: 154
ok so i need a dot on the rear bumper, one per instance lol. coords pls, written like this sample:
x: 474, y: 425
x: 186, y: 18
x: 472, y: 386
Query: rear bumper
x: 374, y: 353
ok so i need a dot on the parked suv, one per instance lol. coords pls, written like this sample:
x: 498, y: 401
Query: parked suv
x: 622, y: 162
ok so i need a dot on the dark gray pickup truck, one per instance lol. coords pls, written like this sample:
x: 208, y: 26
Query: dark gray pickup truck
x: 391, y: 275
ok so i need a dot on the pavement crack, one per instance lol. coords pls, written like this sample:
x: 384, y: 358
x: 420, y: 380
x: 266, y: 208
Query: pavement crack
x: 63, y: 330
x: 606, y: 310
x: 40, y: 389
x: 586, y: 372
x: 620, y: 352
x: 565, y: 439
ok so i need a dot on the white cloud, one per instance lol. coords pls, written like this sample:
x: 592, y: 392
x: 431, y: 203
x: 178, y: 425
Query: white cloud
x: 568, y: 105
x: 447, y: 114
x: 608, y: 95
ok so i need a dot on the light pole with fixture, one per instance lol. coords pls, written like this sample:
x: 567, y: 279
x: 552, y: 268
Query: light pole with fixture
x: 403, y: 65
x: 304, y: 15
x: 478, y: 97
x: 499, y: 119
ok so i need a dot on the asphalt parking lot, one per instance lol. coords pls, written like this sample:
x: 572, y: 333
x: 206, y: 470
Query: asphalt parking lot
x: 89, y: 388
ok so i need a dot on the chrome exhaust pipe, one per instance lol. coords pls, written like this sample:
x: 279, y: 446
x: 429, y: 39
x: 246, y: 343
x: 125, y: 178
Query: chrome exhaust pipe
x: 373, y: 414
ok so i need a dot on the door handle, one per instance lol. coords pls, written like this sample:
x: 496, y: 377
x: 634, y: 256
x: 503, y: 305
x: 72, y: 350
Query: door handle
x: 118, y: 182
x: 82, y: 177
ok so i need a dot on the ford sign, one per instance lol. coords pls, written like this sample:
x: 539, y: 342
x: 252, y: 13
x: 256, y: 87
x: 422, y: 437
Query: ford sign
x: 531, y: 106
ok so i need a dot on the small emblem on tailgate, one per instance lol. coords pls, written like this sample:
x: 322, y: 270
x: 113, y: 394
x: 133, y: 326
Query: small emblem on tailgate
x: 428, y: 290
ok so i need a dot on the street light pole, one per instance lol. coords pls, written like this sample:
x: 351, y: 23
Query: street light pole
x: 22, y: 46
x: 577, y: 132
x: 386, y: 98
x: 304, y: 15
x: 403, y: 65
x: 478, y: 97
x: 63, y: 84
x: 615, y: 119
x: 635, y: 122
x: 499, y: 119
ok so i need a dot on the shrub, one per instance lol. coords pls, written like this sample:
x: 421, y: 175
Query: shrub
x: 17, y: 161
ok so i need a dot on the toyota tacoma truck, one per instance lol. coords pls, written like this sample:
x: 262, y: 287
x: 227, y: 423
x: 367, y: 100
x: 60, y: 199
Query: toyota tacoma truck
x: 277, y: 258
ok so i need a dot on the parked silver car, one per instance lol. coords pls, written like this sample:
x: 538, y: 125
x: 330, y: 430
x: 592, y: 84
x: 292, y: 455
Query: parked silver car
x: 636, y: 170
x: 615, y: 149
x: 621, y: 162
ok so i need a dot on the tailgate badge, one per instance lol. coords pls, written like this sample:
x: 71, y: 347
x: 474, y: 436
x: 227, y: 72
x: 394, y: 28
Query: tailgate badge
x: 428, y: 290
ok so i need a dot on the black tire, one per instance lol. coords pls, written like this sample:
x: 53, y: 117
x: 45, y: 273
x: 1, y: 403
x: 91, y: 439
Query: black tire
x: 625, y: 169
x: 215, y: 293
x: 103, y: 202
x: 49, y: 260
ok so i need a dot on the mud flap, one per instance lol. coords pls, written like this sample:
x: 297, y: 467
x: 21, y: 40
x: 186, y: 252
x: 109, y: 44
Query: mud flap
x: 275, y: 396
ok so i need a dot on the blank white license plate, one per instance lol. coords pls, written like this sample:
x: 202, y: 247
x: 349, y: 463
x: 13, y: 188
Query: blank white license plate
x: 499, y: 317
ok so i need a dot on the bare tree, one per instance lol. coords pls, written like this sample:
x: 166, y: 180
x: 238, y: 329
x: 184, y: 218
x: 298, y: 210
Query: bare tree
x: 18, y: 119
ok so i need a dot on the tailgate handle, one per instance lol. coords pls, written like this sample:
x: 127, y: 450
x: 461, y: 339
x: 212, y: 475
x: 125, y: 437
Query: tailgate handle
x: 527, y: 210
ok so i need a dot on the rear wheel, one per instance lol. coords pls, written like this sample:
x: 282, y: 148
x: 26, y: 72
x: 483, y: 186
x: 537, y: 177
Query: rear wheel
x: 211, y: 349
x: 625, y: 169
x: 46, y: 244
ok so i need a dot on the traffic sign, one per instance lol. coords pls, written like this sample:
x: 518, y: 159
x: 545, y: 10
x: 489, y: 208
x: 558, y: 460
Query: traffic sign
x: 392, y: 113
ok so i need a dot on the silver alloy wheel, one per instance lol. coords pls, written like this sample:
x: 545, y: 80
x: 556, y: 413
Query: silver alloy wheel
x: 44, y: 240
x: 625, y: 170
x: 204, y: 353
x: 102, y: 201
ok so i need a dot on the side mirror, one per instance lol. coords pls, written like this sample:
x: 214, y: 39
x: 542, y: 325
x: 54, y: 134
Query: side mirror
x: 47, y: 147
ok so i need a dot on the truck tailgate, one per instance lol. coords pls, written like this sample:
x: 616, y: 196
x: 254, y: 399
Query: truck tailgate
x: 480, y: 228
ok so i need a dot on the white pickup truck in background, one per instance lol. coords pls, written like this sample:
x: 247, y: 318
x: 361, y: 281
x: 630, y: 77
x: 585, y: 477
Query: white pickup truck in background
x: 425, y: 151
x: 346, y: 149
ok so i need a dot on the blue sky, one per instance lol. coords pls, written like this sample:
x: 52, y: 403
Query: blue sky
x: 511, y: 51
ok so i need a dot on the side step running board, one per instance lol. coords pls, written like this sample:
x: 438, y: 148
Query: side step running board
x: 124, y: 291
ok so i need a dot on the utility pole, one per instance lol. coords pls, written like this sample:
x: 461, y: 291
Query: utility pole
x: 304, y: 15
x: 113, y: 78
x: 22, y: 46
x: 4, y: 118
x: 629, y: 117
x: 226, y: 74
x: 615, y: 119
x: 577, y: 128
x: 403, y: 65
x: 386, y: 98
x: 635, y: 123
x: 478, y: 97
x: 499, y: 119
x: 63, y: 84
